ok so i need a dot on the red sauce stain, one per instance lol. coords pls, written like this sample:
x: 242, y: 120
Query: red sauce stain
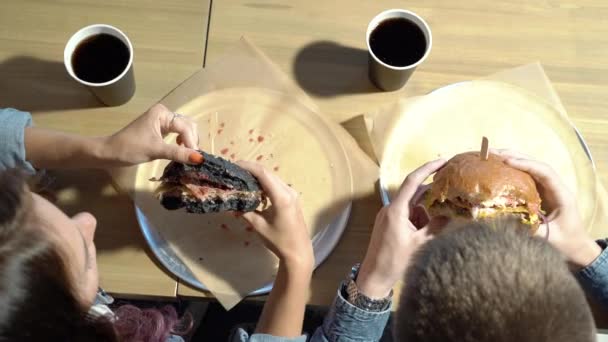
x: 224, y: 151
x: 224, y: 226
x: 251, y: 131
x: 250, y: 140
x: 246, y: 243
x: 276, y: 168
x: 237, y: 214
x: 219, y: 131
x: 249, y: 228
x: 222, y: 125
x: 233, y: 156
x: 260, y: 138
x: 259, y: 157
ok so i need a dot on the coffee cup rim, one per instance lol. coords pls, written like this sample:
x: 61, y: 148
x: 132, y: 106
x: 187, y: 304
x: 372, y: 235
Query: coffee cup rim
x: 426, y: 29
x: 79, y: 36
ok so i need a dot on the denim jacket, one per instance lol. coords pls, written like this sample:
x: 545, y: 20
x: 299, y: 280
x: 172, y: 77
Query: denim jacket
x: 594, y: 278
x: 344, y: 323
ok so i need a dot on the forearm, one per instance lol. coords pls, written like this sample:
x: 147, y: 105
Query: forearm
x: 55, y: 150
x: 283, y: 313
x: 594, y: 277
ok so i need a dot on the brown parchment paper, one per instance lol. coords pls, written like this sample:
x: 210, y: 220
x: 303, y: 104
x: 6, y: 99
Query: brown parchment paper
x: 247, y: 109
x: 516, y: 108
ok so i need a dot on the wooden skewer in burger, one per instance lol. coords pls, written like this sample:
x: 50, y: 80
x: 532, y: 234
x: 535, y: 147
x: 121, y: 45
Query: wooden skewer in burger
x: 480, y: 186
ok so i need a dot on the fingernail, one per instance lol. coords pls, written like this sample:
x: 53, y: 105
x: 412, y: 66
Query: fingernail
x: 195, y: 158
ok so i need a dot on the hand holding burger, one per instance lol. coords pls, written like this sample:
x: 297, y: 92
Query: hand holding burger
x: 471, y: 188
x: 566, y: 230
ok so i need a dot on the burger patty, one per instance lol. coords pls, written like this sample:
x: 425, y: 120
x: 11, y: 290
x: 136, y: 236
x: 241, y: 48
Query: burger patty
x: 204, y: 199
x: 464, y: 209
x: 214, y: 185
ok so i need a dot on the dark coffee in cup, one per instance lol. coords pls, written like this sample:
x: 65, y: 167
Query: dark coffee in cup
x: 398, y: 42
x: 100, y: 58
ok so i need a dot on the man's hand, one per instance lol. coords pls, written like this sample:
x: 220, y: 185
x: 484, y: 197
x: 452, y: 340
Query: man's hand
x: 566, y: 230
x: 395, y: 238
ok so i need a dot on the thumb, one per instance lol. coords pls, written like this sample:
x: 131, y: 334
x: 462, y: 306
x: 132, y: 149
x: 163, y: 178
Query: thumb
x: 437, y: 224
x: 179, y: 154
x: 543, y: 231
x: 255, y: 219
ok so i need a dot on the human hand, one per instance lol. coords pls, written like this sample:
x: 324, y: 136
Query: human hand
x: 142, y: 140
x: 282, y: 226
x: 395, y: 238
x: 565, y: 226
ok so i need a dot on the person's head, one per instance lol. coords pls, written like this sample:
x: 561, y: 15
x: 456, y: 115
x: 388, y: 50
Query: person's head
x: 491, y: 284
x: 48, y: 273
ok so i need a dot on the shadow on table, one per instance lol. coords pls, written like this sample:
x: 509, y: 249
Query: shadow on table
x: 75, y: 191
x: 33, y: 84
x: 325, y: 68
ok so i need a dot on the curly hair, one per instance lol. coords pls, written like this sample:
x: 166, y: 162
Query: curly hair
x: 482, y: 284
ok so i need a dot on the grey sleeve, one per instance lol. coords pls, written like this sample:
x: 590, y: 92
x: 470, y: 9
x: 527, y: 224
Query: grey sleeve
x: 594, y: 278
x: 12, y: 146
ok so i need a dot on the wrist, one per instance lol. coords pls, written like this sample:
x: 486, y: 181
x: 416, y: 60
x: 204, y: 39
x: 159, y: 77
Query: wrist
x: 371, y: 284
x: 93, y: 152
x: 584, y: 254
x: 297, y: 267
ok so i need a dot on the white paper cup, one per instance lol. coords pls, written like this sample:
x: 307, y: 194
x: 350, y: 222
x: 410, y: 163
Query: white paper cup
x: 385, y: 76
x: 113, y: 92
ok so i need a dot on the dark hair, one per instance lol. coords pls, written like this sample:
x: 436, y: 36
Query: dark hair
x: 37, y: 299
x: 36, y: 296
x: 498, y: 284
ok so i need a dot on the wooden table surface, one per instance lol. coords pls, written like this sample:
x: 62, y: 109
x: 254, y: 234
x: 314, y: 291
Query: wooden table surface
x: 322, y: 47
x: 169, y: 41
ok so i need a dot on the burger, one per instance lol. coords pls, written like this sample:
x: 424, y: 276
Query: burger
x: 471, y: 188
x: 215, y: 185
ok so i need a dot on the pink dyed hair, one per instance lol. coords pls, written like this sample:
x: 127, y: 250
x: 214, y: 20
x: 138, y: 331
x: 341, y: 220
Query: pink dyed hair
x: 150, y: 325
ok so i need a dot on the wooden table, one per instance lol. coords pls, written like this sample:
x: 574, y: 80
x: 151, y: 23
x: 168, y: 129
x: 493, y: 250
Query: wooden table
x: 169, y: 41
x: 322, y: 47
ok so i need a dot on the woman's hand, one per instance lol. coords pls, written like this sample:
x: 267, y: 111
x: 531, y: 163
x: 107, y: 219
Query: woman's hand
x: 395, y: 238
x: 566, y: 230
x: 284, y: 232
x: 142, y: 140
x: 282, y: 226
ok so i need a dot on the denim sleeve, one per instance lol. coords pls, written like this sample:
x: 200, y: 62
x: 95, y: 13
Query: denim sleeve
x: 241, y: 335
x: 347, y: 323
x: 594, y: 278
x: 12, y: 146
